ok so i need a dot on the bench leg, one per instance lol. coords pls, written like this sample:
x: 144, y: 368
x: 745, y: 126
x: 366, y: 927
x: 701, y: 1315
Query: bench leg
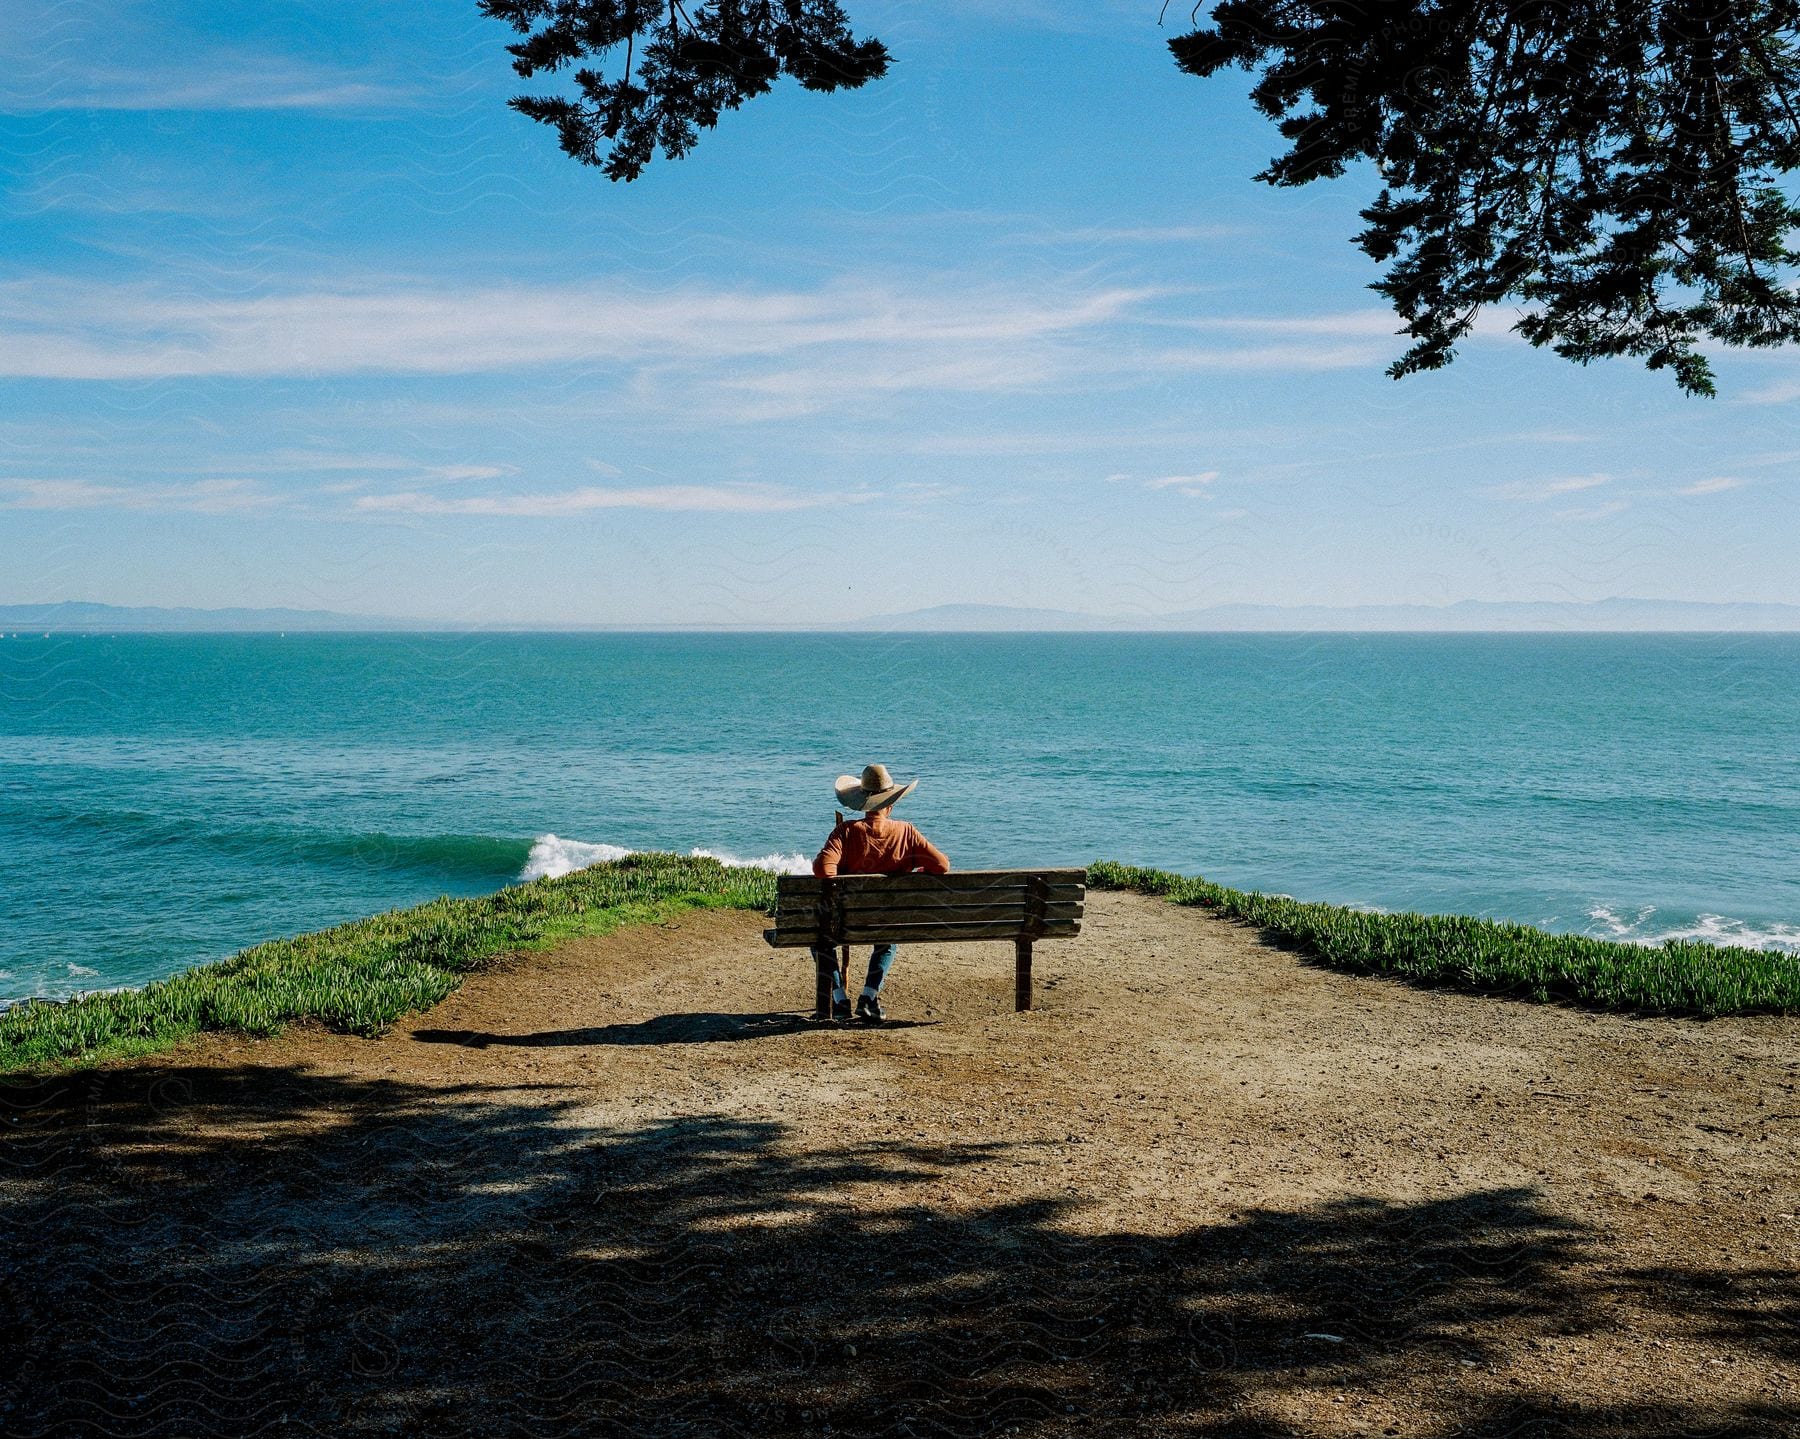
x: 822, y: 993
x: 1022, y: 975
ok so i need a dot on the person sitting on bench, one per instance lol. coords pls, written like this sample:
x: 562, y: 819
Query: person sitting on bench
x: 875, y: 844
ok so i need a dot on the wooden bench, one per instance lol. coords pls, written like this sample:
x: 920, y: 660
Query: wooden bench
x: 1023, y: 905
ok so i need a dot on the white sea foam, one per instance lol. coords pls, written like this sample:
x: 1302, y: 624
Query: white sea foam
x: 780, y: 863
x: 552, y: 857
x: 44, y: 996
x: 1706, y: 928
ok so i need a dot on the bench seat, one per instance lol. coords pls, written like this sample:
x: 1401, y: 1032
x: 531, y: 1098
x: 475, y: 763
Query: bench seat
x: 1020, y: 905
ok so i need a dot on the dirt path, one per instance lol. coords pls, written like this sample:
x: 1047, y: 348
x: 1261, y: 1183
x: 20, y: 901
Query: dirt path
x: 1204, y: 1189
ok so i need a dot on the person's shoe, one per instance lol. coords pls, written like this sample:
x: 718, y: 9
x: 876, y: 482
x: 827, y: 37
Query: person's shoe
x: 868, y: 1009
x: 840, y: 1010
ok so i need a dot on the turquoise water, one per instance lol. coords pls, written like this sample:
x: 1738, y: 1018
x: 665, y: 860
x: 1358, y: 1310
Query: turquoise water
x: 169, y: 799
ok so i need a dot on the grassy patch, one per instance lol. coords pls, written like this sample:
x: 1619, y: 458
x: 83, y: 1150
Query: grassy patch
x: 1681, y: 977
x: 361, y: 977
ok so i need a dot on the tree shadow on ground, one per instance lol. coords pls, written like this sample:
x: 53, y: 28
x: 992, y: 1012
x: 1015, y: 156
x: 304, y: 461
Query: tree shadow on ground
x: 270, y: 1250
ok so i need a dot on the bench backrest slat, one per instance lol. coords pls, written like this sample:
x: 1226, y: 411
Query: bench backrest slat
x: 961, y: 880
x: 903, y: 913
x: 866, y: 900
x: 972, y: 904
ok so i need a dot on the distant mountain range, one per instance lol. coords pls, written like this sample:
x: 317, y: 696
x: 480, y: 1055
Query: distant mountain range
x: 1465, y: 615
x: 75, y: 616
x: 84, y: 617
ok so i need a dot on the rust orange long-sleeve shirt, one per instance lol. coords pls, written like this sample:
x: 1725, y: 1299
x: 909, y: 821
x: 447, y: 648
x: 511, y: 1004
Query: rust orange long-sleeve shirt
x: 878, y: 844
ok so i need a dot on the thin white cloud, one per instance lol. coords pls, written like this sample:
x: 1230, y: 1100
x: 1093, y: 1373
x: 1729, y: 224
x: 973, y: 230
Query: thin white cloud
x: 328, y: 462
x: 110, y: 188
x: 96, y: 332
x: 1321, y: 356
x: 462, y: 474
x: 726, y: 355
x: 202, y: 497
x: 1576, y: 482
x: 1110, y: 442
x: 1600, y: 511
x: 793, y: 393
x: 1776, y: 392
x: 1187, y: 484
x: 921, y: 490
x: 1343, y: 340
x: 144, y: 55
x: 1134, y: 235
x: 1344, y: 322
x: 1550, y: 489
x: 1716, y: 485
x: 319, y: 462
x: 211, y: 81
x: 734, y: 499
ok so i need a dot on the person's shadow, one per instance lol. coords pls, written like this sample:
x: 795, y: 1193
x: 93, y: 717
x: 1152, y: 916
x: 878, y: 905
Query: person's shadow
x: 664, y: 1029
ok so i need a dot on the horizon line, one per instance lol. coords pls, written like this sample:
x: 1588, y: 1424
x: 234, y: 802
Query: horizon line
x: 845, y: 629
x: 970, y: 617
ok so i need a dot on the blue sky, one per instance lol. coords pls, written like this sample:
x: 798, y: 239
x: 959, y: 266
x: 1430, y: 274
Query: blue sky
x: 295, y: 312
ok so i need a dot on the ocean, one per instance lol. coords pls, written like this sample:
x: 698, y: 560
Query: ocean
x: 169, y: 799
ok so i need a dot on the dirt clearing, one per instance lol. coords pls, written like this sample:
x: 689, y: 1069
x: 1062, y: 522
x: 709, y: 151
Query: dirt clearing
x: 1204, y: 1189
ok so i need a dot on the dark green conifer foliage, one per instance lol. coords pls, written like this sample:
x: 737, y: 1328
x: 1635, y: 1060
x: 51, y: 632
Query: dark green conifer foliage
x: 1618, y: 169
x: 1614, y: 166
x: 678, y: 67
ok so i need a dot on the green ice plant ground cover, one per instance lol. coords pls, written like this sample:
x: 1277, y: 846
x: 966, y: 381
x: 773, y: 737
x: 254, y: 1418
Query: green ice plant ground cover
x: 1678, y: 978
x: 362, y: 976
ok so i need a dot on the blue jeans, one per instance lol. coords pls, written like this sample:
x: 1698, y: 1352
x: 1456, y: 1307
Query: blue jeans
x: 880, y: 962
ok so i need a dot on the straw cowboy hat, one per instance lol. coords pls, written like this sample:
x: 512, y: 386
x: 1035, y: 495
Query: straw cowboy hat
x: 876, y: 790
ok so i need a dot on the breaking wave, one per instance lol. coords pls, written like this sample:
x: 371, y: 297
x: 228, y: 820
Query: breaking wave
x: 1705, y: 929
x: 552, y: 856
